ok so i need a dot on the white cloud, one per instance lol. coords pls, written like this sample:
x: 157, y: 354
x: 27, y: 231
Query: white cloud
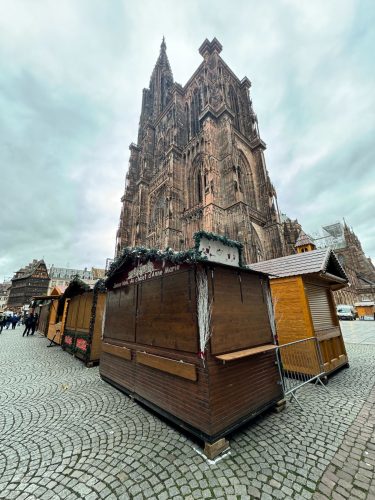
x: 71, y: 79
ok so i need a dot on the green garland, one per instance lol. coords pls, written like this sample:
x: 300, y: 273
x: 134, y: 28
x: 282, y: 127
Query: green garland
x: 76, y: 287
x: 100, y: 286
x: 133, y: 255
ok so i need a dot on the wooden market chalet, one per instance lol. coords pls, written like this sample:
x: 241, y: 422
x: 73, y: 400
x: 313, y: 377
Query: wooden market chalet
x: 188, y: 334
x: 302, y: 287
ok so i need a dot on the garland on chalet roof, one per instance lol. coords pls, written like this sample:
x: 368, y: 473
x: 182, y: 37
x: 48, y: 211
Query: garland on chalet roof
x: 133, y: 255
x: 75, y: 287
x: 100, y: 286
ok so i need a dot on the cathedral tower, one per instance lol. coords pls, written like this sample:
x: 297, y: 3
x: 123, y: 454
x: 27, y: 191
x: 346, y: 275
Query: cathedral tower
x: 199, y: 164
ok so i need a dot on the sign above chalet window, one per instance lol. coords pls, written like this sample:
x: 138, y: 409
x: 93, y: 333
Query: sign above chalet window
x: 143, y: 272
x: 217, y: 251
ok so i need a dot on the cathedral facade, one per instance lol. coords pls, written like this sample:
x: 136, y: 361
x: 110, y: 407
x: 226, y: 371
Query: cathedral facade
x: 199, y: 164
x: 359, y: 268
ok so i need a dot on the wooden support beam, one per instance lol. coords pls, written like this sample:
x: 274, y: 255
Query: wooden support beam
x: 213, y: 450
x: 116, y: 350
x: 230, y: 356
x: 178, y: 368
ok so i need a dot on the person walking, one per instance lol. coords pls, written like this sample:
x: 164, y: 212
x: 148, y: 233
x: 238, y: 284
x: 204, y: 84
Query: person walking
x: 14, y: 321
x: 34, y: 323
x: 8, y: 321
x: 28, y: 324
x: 3, y: 320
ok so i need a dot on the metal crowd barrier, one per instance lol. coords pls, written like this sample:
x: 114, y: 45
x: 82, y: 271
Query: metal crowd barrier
x: 300, y: 363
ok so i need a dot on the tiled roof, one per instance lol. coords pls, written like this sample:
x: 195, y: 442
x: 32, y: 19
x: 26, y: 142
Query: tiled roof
x: 27, y: 271
x: 312, y: 262
x: 304, y: 239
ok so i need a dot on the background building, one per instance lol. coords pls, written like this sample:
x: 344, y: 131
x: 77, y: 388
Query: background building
x: 199, y: 164
x: 62, y: 276
x: 359, y: 268
x: 27, y: 282
x: 4, y: 294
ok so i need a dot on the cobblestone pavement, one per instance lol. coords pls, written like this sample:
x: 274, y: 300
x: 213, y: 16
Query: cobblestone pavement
x: 65, y: 434
x: 358, y: 332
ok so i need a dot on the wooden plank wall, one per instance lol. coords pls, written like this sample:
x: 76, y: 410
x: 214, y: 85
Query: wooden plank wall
x: 44, y: 318
x: 121, y: 312
x: 79, y: 312
x: 72, y: 313
x: 96, y: 343
x: 240, y: 388
x: 239, y: 311
x: 160, y: 312
x: 166, y: 315
x: 292, y: 317
x: 117, y: 369
x: 186, y: 399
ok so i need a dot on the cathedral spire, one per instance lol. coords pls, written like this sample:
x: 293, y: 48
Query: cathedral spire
x: 161, y: 81
x: 163, y: 46
x: 162, y: 62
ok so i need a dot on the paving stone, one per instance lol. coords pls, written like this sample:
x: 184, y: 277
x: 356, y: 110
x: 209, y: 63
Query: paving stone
x: 108, y: 447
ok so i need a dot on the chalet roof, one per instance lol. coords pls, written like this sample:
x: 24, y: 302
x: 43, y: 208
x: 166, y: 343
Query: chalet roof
x: 304, y: 239
x: 76, y: 287
x: 321, y: 261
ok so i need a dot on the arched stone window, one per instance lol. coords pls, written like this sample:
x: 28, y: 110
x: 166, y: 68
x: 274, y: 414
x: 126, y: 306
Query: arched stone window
x: 233, y: 102
x: 194, y: 112
x: 187, y: 118
x: 158, y: 210
x: 159, y: 155
x: 245, y: 181
x: 199, y: 186
x: 257, y: 253
x: 198, y: 183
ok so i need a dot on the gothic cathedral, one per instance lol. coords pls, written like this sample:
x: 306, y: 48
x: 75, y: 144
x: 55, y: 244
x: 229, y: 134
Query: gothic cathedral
x: 199, y: 164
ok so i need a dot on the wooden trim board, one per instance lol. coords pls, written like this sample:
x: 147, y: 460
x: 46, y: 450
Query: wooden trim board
x: 332, y: 333
x: 230, y: 356
x: 178, y: 368
x: 116, y: 350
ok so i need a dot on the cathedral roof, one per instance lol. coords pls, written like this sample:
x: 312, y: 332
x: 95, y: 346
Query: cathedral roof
x: 304, y: 239
x: 322, y: 261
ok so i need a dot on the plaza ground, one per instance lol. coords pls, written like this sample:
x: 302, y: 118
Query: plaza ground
x: 66, y: 434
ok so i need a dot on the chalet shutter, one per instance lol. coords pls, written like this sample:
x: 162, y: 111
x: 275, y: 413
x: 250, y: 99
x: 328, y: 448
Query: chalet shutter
x: 319, y: 306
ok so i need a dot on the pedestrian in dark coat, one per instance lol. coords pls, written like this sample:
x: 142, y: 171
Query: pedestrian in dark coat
x: 14, y: 321
x: 3, y: 321
x: 28, y: 324
x: 34, y: 323
x: 8, y: 321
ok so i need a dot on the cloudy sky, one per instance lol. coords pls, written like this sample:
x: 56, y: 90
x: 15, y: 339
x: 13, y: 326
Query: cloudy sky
x: 71, y: 79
